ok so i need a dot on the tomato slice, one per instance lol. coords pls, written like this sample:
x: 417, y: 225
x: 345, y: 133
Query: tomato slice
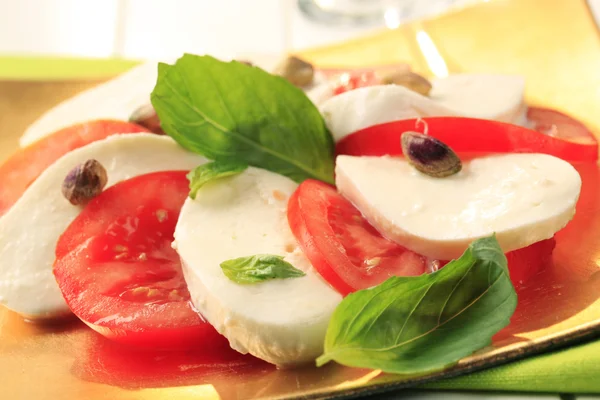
x: 118, y: 273
x: 23, y: 167
x: 354, y: 80
x: 344, y: 248
x: 351, y: 255
x: 554, y: 123
x: 525, y: 263
x: 104, y: 361
x: 467, y: 135
x: 346, y: 79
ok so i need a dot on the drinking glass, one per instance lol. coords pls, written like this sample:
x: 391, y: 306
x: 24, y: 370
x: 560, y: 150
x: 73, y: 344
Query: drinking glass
x: 389, y: 13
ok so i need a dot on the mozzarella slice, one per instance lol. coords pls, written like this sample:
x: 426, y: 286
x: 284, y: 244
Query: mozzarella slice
x: 115, y: 99
x: 282, y: 321
x: 266, y: 61
x: 121, y: 96
x: 487, y: 96
x: 30, y: 229
x: 522, y: 198
x: 357, y: 109
x: 321, y: 89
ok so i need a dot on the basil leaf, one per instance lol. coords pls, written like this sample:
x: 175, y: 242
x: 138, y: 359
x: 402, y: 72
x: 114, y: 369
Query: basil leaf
x: 231, y: 111
x: 412, y: 325
x: 259, y: 268
x: 211, y: 171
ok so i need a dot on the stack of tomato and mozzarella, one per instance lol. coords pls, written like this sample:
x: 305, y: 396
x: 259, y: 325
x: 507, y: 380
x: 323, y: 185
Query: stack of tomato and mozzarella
x: 130, y: 261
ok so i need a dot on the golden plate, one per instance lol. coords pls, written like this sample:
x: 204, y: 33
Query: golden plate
x: 558, y: 51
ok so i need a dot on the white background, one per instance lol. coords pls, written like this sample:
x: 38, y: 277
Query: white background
x: 143, y: 29
x: 165, y: 28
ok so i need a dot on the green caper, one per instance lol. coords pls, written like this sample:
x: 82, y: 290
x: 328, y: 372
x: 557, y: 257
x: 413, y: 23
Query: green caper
x: 409, y: 80
x: 84, y: 182
x: 299, y: 72
x: 429, y: 155
x: 146, y: 116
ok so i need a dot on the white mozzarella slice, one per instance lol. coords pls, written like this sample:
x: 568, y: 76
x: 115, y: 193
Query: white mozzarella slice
x: 30, y: 229
x: 266, y: 61
x: 281, y: 321
x: 115, y: 99
x: 522, y: 198
x: 321, y: 89
x: 360, y: 108
x: 487, y: 96
x: 121, y: 96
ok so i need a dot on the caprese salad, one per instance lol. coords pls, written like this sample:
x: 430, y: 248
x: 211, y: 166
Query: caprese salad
x: 299, y: 215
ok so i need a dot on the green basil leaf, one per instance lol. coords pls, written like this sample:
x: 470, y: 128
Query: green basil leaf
x: 412, y: 325
x: 259, y: 268
x: 162, y: 69
x: 211, y: 171
x: 232, y: 111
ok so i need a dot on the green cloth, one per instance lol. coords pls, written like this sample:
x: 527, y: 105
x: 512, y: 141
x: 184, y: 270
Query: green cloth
x: 574, y: 370
x: 60, y: 68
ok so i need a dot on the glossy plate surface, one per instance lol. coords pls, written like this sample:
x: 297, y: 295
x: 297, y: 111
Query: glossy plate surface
x: 560, y: 56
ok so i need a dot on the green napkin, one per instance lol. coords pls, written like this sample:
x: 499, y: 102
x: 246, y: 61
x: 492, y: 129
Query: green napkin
x: 60, y: 68
x: 573, y: 370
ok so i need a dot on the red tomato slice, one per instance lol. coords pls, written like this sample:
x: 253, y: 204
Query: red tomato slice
x: 354, y: 80
x: 104, y: 361
x: 23, y: 167
x: 346, y: 250
x: 346, y: 79
x: 554, y: 123
x: 525, y: 263
x: 118, y: 273
x: 351, y: 255
x: 467, y: 135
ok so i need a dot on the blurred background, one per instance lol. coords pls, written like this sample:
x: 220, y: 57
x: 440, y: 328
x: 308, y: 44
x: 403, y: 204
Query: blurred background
x: 159, y: 29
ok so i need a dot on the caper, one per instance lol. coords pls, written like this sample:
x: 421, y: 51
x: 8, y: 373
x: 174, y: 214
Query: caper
x: 84, y: 182
x: 146, y: 116
x: 299, y: 72
x: 409, y: 80
x: 429, y: 155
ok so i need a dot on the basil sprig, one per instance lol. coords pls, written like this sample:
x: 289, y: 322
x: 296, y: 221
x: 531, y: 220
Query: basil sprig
x: 229, y: 111
x: 259, y: 268
x: 211, y: 171
x: 411, y: 325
